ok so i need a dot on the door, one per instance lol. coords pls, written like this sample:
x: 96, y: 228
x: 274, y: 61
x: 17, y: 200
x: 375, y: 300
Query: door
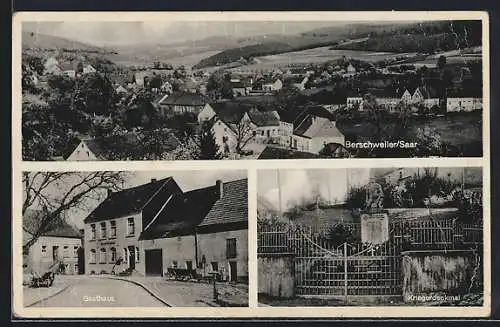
x: 154, y: 262
x: 131, y: 257
x: 233, y: 271
x: 55, y: 253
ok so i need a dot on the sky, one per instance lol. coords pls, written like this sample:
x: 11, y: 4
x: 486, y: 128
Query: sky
x: 187, y: 180
x: 129, y: 33
x: 298, y: 183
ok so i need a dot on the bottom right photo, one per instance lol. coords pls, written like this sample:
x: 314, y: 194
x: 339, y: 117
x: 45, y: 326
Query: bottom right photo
x: 370, y: 237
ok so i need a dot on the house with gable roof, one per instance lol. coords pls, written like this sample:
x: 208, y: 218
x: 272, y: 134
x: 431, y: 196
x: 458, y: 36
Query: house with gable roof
x: 204, y: 231
x: 233, y: 120
x: 114, y: 147
x: 57, y: 244
x: 313, y: 129
x: 154, y: 228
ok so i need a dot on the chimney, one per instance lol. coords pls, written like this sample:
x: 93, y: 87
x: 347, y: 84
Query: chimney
x: 219, y: 188
x: 153, y: 180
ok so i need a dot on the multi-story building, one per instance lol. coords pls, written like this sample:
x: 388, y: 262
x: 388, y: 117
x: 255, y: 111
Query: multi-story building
x: 112, y: 230
x: 204, y: 231
x: 156, y: 227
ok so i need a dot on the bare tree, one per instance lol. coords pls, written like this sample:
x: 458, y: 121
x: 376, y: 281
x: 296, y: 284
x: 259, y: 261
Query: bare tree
x: 244, y: 133
x: 59, y: 192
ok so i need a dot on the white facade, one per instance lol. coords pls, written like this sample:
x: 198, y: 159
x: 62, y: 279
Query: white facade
x: 463, y: 104
x: 315, y: 144
x: 275, y: 86
x: 89, y: 69
x: 104, y: 246
x: 224, y: 136
x: 48, y: 250
x: 70, y: 73
x: 352, y: 101
x: 82, y: 153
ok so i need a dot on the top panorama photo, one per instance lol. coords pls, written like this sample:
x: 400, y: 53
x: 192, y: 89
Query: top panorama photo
x: 156, y: 90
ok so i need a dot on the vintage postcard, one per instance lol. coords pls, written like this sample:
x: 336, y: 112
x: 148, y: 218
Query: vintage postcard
x: 126, y: 194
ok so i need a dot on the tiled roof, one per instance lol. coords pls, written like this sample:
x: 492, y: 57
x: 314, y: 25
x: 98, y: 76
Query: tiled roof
x: 314, y: 126
x: 294, y: 79
x: 109, y: 146
x: 297, y: 116
x: 229, y: 112
x: 182, y: 214
x: 264, y: 118
x: 184, y: 99
x: 128, y: 201
x: 232, y: 207
x: 56, y: 228
x: 271, y: 152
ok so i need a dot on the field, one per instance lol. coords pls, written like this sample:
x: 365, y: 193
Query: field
x: 462, y: 130
x: 134, y: 59
x: 317, y: 56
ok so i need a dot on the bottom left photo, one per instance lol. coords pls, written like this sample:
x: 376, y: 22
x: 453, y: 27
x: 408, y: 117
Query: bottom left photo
x: 134, y: 239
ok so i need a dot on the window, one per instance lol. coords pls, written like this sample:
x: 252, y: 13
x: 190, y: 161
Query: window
x: 75, y: 251
x: 231, y: 248
x: 102, y: 256
x: 112, y: 229
x: 130, y: 227
x: 112, y: 256
x: 44, y: 250
x: 92, y: 257
x: 400, y: 175
x: 189, y: 265
x: 92, y: 232
x: 137, y: 255
x: 65, y: 251
x: 215, y: 266
x: 102, y: 234
x: 174, y: 264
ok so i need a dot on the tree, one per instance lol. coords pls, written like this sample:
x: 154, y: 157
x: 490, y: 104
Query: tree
x: 94, y: 94
x: 429, y: 143
x: 244, y: 132
x: 375, y: 114
x: 57, y: 193
x: 79, y: 67
x: 441, y: 62
x: 209, y: 149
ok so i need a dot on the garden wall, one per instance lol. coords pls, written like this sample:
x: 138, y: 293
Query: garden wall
x: 437, y: 271
x: 276, y: 274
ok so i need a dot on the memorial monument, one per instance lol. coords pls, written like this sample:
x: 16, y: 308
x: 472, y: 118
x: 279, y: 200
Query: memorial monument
x: 374, y: 219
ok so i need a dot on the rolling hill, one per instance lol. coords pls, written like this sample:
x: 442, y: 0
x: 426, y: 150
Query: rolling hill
x: 394, y: 37
x: 32, y: 40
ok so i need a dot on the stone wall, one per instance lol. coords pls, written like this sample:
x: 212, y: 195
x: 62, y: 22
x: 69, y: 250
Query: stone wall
x: 437, y: 271
x: 276, y: 274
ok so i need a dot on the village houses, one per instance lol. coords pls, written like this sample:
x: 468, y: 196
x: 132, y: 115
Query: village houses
x: 233, y: 122
x: 463, y: 101
x: 113, y: 147
x: 59, y: 244
x: 390, y: 100
x: 182, y: 102
x: 157, y: 227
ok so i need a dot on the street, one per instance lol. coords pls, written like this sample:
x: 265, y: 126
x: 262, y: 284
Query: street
x: 100, y: 292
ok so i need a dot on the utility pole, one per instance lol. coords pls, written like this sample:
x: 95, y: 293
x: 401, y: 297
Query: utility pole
x: 279, y: 192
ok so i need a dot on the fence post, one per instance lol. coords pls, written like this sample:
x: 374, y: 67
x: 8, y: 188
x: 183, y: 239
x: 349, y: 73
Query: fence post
x: 345, y: 274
